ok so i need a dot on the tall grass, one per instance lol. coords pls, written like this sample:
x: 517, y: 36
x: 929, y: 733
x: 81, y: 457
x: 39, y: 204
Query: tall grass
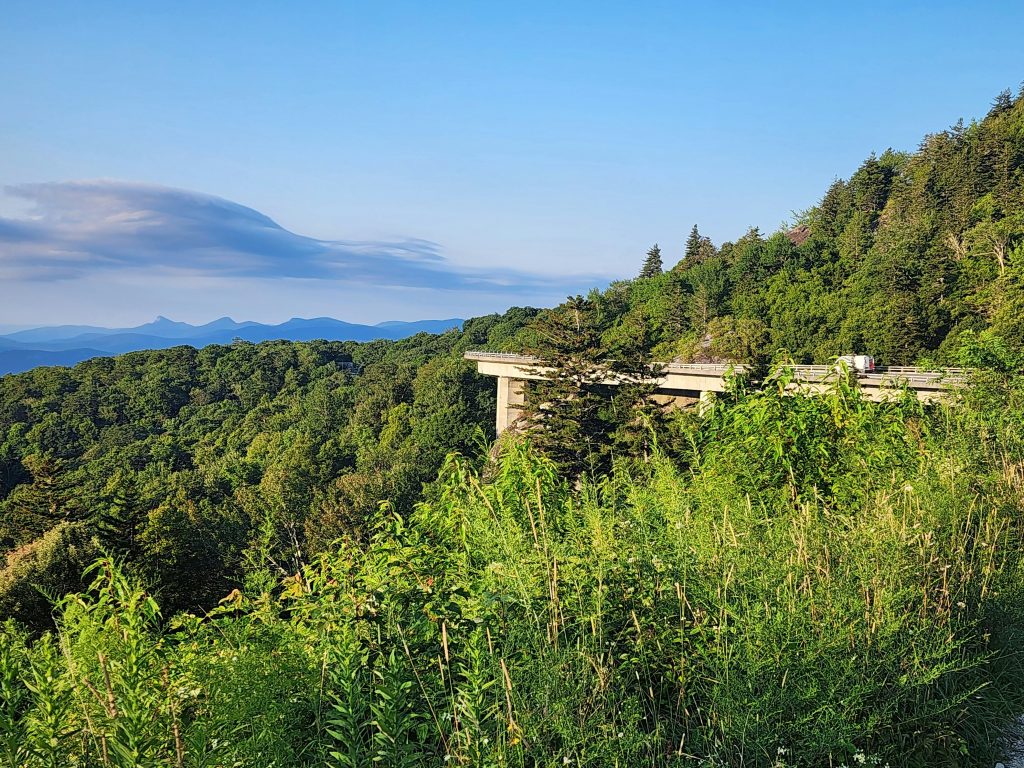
x: 819, y: 581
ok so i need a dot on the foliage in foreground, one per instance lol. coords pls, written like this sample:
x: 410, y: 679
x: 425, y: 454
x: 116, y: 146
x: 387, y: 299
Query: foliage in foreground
x: 821, y: 581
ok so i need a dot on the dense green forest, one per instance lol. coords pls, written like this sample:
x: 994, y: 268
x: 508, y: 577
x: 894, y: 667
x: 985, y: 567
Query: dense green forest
x: 175, y: 460
x: 315, y: 553
x: 898, y: 261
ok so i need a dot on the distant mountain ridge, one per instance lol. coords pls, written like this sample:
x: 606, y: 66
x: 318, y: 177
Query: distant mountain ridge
x: 70, y: 344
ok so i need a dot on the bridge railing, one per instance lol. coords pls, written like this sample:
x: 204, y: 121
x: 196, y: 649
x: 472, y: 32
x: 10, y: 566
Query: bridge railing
x: 811, y: 373
x: 477, y: 355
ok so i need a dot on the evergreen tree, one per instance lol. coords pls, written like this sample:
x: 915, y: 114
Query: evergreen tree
x: 698, y: 247
x: 596, y: 399
x: 120, y: 520
x: 635, y: 420
x: 37, y: 506
x: 693, y: 244
x: 1003, y: 102
x: 652, y: 264
x: 564, y: 412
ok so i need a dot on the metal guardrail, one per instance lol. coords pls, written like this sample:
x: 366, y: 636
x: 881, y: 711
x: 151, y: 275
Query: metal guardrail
x: 475, y: 355
x: 717, y: 369
x: 714, y: 369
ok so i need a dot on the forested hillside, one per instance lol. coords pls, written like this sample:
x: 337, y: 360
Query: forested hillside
x: 174, y: 460
x: 897, y: 261
x: 314, y: 553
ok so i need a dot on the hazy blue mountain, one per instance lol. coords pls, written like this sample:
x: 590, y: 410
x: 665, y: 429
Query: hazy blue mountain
x: 69, y: 344
x: 17, y: 360
x: 50, y: 333
x: 162, y: 327
x: 116, y: 343
x: 172, y: 329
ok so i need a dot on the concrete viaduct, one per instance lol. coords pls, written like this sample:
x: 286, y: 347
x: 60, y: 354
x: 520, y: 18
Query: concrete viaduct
x: 683, y: 383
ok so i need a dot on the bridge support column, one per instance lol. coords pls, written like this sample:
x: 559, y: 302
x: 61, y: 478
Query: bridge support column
x: 511, y: 398
x: 707, y: 399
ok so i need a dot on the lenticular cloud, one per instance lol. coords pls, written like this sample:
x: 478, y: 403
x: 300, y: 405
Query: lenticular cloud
x: 85, y: 228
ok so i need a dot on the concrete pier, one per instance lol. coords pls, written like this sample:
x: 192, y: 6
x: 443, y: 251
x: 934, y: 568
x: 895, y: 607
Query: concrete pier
x: 511, y: 397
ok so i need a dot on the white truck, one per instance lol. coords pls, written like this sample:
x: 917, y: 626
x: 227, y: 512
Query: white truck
x: 858, y: 363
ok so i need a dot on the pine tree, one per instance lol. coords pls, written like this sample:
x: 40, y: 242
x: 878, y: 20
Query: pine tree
x: 1003, y: 102
x: 693, y: 244
x: 564, y: 411
x: 48, y: 500
x: 636, y: 421
x: 596, y: 400
x: 652, y: 264
x: 120, y: 521
x: 698, y: 247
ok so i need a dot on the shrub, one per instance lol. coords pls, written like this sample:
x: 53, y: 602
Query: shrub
x: 49, y: 566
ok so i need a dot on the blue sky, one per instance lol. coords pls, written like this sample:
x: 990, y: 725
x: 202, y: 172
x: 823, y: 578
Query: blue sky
x: 394, y: 160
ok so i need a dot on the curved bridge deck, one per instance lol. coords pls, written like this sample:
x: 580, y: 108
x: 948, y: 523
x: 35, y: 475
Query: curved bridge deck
x: 680, y: 383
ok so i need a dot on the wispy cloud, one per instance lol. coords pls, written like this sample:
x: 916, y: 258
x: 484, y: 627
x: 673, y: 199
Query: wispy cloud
x: 84, y: 229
